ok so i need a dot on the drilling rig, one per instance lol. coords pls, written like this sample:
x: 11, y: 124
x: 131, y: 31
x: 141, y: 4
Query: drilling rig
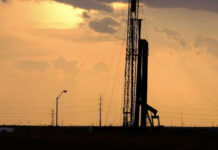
x: 136, y: 111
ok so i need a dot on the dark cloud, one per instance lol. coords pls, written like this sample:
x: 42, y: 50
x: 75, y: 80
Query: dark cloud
x: 100, y: 67
x: 4, y: 1
x: 104, y: 25
x: 171, y: 35
x: 206, y: 5
x: 30, y: 65
x: 65, y: 65
x: 103, y: 5
x: 86, y: 15
x: 208, y: 44
x: 88, y: 4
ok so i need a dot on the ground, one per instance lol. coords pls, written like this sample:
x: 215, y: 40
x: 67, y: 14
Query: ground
x: 110, y: 138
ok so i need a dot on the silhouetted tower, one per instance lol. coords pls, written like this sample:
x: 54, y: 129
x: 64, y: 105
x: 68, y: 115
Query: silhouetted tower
x: 100, y: 111
x: 135, y: 110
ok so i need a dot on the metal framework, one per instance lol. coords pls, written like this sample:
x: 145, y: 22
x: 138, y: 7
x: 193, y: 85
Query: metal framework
x: 135, y: 110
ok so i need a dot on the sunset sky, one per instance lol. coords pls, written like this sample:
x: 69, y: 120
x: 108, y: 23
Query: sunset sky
x: 47, y: 46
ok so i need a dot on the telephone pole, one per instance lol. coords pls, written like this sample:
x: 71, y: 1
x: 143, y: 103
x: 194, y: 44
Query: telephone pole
x: 52, y: 117
x: 100, y: 111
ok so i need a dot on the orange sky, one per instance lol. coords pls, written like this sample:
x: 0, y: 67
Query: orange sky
x: 47, y: 46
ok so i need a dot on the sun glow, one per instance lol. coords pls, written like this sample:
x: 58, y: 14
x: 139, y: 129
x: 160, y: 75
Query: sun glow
x: 58, y: 16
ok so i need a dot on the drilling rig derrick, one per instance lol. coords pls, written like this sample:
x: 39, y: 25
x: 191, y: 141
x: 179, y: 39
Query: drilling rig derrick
x: 135, y: 110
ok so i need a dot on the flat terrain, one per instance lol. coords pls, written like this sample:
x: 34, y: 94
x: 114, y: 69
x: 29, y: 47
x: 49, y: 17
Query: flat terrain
x: 110, y: 138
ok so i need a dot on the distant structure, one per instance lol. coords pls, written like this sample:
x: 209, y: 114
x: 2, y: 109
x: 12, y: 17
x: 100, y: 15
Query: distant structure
x: 100, y: 111
x: 135, y: 110
x: 57, y: 100
x: 52, y: 117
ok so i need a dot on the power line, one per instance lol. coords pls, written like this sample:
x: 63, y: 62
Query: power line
x: 188, y: 70
x: 114, y: 84
x: 88, y: 55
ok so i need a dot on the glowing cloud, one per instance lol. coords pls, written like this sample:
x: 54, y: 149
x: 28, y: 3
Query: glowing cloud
x: 57, y: 15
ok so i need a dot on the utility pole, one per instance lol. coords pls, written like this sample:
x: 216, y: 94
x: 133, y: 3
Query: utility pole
x: 182, y: 124
x: 52, y: 117
x: 100, y: 111
x: 56, y: 111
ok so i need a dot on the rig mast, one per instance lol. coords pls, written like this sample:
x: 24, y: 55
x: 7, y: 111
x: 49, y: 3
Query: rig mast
x: 135, y: 110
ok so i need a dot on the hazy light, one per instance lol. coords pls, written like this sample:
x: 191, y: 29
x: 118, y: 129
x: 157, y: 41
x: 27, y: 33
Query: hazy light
x: 58, y: 16
x: 43, y: 15
x: 118, y: 5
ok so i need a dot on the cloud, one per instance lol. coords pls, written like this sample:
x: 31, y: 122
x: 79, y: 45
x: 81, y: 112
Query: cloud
x: 88, y: 4
x: 86, y: 15
x: 30, y: 65
x: 104, y: 5
x: 4, y: 1
x: 209, y: 44
x: 206, y: 5
x: 172, y: 35
x: 100, y: 67
x: 64, y: 65
x: 104, y: 25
